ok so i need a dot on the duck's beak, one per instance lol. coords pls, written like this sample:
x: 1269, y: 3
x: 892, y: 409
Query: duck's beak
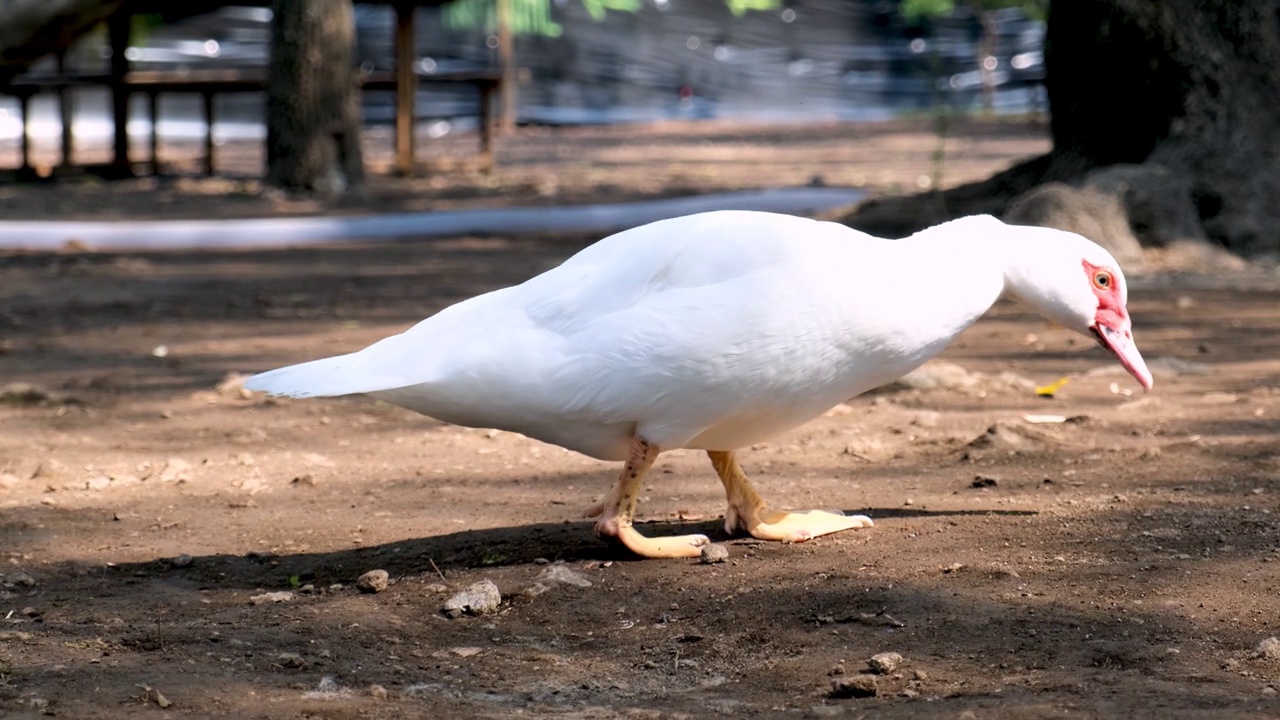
x: 1115, y: 333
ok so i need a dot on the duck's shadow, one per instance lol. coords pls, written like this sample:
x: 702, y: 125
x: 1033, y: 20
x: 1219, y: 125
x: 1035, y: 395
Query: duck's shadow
x: 468, y: 549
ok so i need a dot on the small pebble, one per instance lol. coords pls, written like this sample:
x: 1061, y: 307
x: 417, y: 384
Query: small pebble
x: 1003, y: 571
x: 1270, y: 648
x: 374, y: 581
x: 291, y: 660
x: 30, y: 612
x: 854, y: 686
x: 51, y: 469
x: 182, y: 561
x: 21, y: 579
x: 271, y: 597
x: 927, y: 419
x: 534, y: 590
x: 715, y: 553
x: 481, y: 598
x: 159, y: 698
x: 560, y: 573
x: 884, y: 663
x: 378, y: 692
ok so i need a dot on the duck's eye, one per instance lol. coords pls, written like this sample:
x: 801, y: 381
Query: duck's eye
x: 1102, y: 280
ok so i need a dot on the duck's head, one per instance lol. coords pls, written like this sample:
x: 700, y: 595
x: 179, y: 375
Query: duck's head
x: 1077, y: 284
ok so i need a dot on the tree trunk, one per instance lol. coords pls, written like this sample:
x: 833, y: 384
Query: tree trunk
x: 313, y: 113
x: 507, y: 64
x: 1169, y: 106
x: 986, y: 58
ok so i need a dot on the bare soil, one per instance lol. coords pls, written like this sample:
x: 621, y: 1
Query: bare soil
x: 1124, y: 561
x: 542, y: 166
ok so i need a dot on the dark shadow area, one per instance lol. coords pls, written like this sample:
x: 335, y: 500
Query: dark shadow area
x: 461, y: 551
x: 984, y: 635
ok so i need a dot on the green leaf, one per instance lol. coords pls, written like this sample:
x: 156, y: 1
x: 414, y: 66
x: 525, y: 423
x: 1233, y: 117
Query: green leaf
x: 597, y: 8
x: 916, y: 9
x: 742, y: 7
x: 528, y: 17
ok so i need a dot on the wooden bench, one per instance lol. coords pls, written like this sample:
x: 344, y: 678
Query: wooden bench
x: 211, y: 83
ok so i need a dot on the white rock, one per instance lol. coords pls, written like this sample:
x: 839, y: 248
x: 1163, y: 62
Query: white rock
x: 176, y: 470
x: 884, y: 663
x: 51, y: 469
x: 374, y: 581
x: 481, y: 598
x: 559, y: 573
x: 328, y: 689
x: 714, y: 553
x: 271, y: 597
x: 1270, y: 648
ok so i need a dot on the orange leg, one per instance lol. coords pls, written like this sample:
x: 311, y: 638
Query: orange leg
x: 619, y: 506
x: 747, y: 511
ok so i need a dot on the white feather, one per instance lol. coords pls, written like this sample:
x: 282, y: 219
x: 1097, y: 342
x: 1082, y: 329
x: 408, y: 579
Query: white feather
x: 710, y: 331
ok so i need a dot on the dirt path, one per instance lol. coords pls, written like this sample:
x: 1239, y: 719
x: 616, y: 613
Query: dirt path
x: 583, y: 165
x: 1125, y: 562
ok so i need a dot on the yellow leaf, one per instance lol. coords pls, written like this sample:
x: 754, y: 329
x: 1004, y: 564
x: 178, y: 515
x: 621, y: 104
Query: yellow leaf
x: 1052, y: 388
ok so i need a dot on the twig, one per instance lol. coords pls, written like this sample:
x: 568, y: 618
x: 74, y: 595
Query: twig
x: 854, y: 453
x: 437, y: 568
x: 895, y: 622
x: 881, y: 617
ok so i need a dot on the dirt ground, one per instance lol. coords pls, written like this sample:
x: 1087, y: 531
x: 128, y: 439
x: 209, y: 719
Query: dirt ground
x: 1124, y: 561
x: 541, y: 166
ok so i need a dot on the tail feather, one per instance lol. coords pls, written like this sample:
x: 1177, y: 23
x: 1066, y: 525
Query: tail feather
x: 330, y: 377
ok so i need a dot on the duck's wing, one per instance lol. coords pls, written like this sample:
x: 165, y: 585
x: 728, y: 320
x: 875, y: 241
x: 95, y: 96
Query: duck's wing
x: 670, y: 300
x: 702, y: 311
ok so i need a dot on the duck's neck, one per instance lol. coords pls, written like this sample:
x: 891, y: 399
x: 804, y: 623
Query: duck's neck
x: 960, y: 269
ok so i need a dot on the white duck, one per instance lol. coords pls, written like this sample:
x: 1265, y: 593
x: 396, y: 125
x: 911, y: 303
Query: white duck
x: 716, y: 331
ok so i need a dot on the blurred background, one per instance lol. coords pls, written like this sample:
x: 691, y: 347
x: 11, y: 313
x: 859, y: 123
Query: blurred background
x: 585, y: 63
